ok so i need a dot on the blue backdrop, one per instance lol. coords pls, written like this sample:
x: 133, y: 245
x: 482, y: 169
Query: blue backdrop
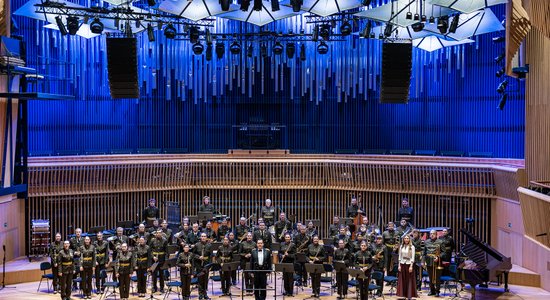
x: 323, y: 104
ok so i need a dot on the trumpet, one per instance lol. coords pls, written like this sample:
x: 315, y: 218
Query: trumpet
x: 378, y: 256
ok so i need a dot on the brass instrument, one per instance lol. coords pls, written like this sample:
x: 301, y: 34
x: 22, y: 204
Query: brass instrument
x: 244, y: 237
x: 379, y: 255
x: 283, y: 232
x: 300, y: 248
x: 202, y: 257
x: 286, y: 252
x: 438, y: 256
x: 187, y: 264
x: 316, y: 254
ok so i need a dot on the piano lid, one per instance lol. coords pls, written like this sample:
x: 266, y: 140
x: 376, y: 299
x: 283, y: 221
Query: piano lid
x: 482, y: 245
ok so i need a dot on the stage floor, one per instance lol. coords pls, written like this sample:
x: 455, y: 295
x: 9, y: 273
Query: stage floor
x: 27, y: 291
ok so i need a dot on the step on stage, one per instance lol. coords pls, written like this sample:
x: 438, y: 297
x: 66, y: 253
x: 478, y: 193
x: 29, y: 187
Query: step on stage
x: 23, y: 276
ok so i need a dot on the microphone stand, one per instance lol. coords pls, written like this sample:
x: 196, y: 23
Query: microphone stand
x: 4, y: 271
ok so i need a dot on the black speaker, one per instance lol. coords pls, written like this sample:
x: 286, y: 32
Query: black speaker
x: 122, y: 67
x: 396, y: 72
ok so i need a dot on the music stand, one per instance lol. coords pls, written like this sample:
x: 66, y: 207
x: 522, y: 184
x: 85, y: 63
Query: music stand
x: 314, y: 269
x: 275, y: 247
x: 358, y: 274
x: 328, y: 241
x: 96, y: 229
x: 284, y: 268
x: 329, y: 250
x: 152, y: 270
x: 340, y: 267
x: 171, y: 249
x: 230, y: 267
x: 204, y: 216
x: 346, y: 221
x: 216, y: 245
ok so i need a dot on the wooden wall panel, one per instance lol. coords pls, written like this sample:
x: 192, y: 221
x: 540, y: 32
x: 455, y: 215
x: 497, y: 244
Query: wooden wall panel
x: 537, y: 107
x: 535, y: 208
x: 12, y: 226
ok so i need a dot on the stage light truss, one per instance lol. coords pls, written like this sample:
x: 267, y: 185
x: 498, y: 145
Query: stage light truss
x: 120, y: 13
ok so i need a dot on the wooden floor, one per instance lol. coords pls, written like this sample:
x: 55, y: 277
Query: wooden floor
x: 27, y: 291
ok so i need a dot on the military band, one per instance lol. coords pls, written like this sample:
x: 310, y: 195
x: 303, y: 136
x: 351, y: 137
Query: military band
x: 402, y: 248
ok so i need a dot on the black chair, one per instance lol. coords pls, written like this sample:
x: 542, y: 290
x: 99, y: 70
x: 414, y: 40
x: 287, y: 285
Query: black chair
x: 445, y: 280
x: 44, y: 266
x: 171, y: 284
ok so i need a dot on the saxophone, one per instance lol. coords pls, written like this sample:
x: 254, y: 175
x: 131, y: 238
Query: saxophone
x: 300, y: 248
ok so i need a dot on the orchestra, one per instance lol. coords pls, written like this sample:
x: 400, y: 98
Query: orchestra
x: 360, y: 246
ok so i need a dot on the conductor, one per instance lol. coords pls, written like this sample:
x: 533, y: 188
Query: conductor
x: 260, y: 261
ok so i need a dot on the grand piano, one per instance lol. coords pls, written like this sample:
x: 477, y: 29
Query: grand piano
x: 491, y: 264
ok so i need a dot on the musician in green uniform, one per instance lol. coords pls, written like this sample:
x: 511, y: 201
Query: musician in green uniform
x: 203, y: 252
x: 363, y: 261
x: 390, y: 239
x: 245, y: 251
x: 281, y: 227
x: 378, y: 250
x: 65, y: 273
x: 55, y: 247
x: 302, y: 241
x: 432, y: 261
x: 418, y: 244
x: 123, y: 269
x: 334, y: 228
x: 225, y: 255
x: 143, y: 258
x: 158, y: 247
x: 87, y: 267
x: 223, y: 230
x: 287, y: 253
x: 185, y: 263
x: 101, y: 259
x: 241, y: 229
x: 343, y: 255
x: 316, y: 255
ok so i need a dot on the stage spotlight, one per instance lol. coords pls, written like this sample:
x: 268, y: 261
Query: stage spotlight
x: 278, y: 48
x: 443, y: 24
x: 315, y: 33
x: 290, y: 50
x: 367, y: 31
x: 499, y: 39
x: 500, y: 72
x: 380, y: 36
x: 245, y: 4
x: 60, y: 25
x: 296, y: 5
x: 250, y: 51
x: 208, y: 54
x: 151, y: 2
x: 417, y: 27
x: 454, y: 24
x: 128, y: 29
x: 208, y: 36
x: 235, y: 48
x: 275, y: 5
x: 170, y: 31
x: 225, y: 4
x: 257, y: 6
x: 345, y: 28
x: 72, y: 25
x: 194, y: 35
x: 409, y: 16
x: 322, y: 48
x: 432, y: 20
x: 220, y: 49
x: 366, y: 2
x: 502, y: 86
x: 416, y: 17
x: 388, y: 30
x: 96, y: 26
x: 499, y: 58
x: 117, y: 23
x: 502, y: 101
x: 423, y: 18
x: 197, y: 48
x: 302, y: 52
x: 150, y: 32
x: 324, y: 32
x: 263, y: 50
x: 85, y: 20
x: 160, y: 24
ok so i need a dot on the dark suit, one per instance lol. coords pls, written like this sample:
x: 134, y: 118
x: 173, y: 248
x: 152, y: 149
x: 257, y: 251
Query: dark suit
x: 260, y: 278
